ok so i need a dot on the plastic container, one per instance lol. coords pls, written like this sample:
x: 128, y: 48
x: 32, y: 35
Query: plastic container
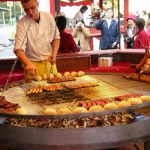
x: 105, y: 61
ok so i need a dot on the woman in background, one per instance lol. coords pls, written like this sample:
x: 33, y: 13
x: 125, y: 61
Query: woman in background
x: 141, y: 39
x: 82, y: 36
x: 148, y: 29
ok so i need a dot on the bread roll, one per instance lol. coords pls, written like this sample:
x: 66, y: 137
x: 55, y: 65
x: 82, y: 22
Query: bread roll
x: 38, y: 78
x: 58, y: 75
x: 21, y: 111
x: 80, y: 110
x: 50, y: 76
x: 44, y: 77
x: 145, y: 98
x: 110, y: 106
x: 80, y: 73
x: 124, y: 104
x: 135, y: 101
x: 50, y: 111
x: 67, y: 74
x: 73, y: 74
x: 96, y: 108
x: 64, y: 111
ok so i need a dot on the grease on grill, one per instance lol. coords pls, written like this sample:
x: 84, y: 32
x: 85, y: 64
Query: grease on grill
x: 56, y: 97
x: 85, y: 122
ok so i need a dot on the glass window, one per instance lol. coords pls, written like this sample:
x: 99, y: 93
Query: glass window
x: 10, y: 13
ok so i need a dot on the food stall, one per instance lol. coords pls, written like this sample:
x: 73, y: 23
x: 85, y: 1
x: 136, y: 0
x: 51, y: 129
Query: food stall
x: 75, y: 110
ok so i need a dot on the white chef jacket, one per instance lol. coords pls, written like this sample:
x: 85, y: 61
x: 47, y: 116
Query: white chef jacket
x: 35, y: 38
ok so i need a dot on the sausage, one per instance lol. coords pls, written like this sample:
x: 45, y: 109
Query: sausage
x: 88, y: 105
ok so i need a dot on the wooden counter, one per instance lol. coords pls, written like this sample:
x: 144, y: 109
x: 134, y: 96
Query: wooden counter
x: 79, y: 60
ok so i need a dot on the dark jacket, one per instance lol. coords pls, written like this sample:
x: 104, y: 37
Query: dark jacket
x: 108, y: 35
x: 129, y: 36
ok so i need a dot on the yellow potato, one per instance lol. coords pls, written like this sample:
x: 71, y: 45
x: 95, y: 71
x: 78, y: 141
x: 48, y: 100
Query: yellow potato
x: 124, y: 104
x: 145, y: 98
x: 21, y: 111
x: 135, y: 101
x: 50, y: 111
x: 64, y: 111
x: 96, y: 108
x: 110, y: 106
x: 80, y: 110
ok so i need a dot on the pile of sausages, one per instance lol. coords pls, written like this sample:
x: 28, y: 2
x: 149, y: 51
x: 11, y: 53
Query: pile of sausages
x: 6, y: 106
x: 63, y: 79
x: 88, y: 104
x: 126, y: 97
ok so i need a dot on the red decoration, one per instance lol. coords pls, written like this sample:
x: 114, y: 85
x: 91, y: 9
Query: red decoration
x: 76, y: 3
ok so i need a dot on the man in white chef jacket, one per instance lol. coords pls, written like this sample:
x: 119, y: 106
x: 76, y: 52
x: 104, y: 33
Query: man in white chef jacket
x: 36, y: 41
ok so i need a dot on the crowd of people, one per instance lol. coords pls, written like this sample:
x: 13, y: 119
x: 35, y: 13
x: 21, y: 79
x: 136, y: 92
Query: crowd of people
x: 40, y: 37
x: 137, y: 33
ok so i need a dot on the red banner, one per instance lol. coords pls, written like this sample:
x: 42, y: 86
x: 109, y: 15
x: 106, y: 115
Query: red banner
x: 8, y: 0
x: 76, y: 3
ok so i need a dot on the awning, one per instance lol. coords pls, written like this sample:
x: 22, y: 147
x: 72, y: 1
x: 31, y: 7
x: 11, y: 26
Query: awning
x: 75, y: 2
x: 8, y: 0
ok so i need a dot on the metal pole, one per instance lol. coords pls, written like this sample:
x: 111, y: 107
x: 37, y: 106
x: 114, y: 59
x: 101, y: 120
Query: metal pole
x: 119, y: 22
x: 3, y: 18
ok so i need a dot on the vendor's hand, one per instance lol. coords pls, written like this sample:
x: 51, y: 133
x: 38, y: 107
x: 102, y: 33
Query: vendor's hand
x: 31, y: 69
x: 52, y: 59
x: 114, y: 44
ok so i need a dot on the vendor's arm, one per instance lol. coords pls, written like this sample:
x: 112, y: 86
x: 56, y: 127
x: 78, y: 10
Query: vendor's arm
x: 28, y: 66
x: 55, y: 47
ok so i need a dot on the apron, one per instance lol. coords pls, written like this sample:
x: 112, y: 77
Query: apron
x: 43, y: 67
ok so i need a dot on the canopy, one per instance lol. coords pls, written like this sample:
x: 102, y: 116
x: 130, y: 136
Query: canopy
x: 8, y: 0
x: 75, y: 2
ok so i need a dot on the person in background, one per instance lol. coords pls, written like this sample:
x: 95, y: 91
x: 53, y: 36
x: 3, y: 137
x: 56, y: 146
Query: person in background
x: 148, y: 29
x: 67, y: 43
x: 109, y: 31
x: 79, y: 15
x: 36, y: 41
x: 130, y: 32
x: 82, y: 36
x: 141, y: 40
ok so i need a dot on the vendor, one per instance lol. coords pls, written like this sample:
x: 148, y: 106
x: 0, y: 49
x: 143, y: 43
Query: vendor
x: 36, y: 41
